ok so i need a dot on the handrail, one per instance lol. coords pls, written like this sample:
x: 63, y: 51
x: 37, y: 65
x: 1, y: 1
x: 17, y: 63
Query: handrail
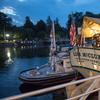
x: 37, y: 92
x: 76, y: 97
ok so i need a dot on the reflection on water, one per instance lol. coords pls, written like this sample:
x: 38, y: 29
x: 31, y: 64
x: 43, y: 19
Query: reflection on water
x: 7, y: 55
x: 21, y: 59
x: 56, y: 95
x: 9, y: 60
x: 3, y: 57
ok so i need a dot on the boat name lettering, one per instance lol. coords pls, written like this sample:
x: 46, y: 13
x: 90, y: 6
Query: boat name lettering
x: 77, y: 54
x: 89, y: 55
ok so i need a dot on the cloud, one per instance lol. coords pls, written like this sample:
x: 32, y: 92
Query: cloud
x: 22, y: 0
x: 82, y: 2
x: 8, y: 10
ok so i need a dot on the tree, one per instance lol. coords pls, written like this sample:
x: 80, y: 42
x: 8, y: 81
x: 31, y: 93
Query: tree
x: 41, y: 29
x: 5, y: 22
x: 49, y: 23
x: 41, y: 26
x: 90, y: 14
x: 28, y: 23
x: 28, y: 29
x: 60, y: 31
x: 57, y: 25
x: 78, y: 19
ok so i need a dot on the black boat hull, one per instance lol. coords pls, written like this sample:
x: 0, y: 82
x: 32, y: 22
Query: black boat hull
x: 51, y: 79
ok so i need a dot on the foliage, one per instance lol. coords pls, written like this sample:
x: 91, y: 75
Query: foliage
x: 40, y: 30
x: 5, y: 22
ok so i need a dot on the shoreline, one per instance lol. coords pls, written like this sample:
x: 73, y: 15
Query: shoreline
x: 39, y: 44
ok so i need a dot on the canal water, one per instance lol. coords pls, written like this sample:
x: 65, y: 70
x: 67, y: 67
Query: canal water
x: 15, y: 60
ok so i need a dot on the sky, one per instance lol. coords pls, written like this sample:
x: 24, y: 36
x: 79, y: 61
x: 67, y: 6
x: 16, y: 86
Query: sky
x: 41, y: 9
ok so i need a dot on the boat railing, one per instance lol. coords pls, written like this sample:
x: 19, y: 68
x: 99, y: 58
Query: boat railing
x: 42, y: 66
x: 93, y: 87
x: 47, y: 64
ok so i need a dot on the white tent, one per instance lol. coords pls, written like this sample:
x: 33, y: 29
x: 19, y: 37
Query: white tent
x: 91, y: 26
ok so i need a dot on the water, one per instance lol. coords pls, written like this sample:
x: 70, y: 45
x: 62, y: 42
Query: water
x: 17, y: 60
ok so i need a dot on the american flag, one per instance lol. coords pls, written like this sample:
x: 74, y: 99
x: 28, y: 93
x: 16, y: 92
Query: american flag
x: 72, y: 34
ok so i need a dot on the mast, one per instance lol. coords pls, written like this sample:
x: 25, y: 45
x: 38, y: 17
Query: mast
x: 52, y: 47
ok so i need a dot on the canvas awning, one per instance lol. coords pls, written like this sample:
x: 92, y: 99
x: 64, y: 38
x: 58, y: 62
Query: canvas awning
x: 91, y: 26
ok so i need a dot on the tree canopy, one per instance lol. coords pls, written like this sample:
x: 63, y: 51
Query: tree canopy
x: 40, y: 30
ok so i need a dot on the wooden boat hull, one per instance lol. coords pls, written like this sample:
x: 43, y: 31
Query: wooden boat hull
x: 86, y: 60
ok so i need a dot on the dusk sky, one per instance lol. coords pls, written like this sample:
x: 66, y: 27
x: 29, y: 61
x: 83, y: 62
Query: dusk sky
x: 41, y: 9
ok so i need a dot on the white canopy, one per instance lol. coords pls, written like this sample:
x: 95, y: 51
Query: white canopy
x: 91, y: 26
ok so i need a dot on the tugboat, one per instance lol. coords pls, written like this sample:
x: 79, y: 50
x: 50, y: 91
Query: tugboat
x: 51, y: 73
